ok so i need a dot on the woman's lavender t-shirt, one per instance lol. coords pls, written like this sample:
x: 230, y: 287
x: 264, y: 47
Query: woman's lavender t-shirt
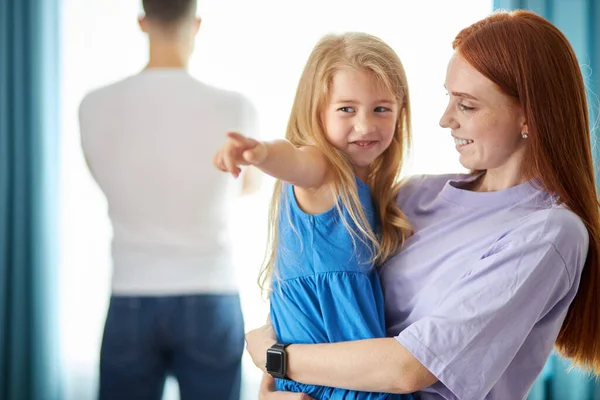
x: 479, y: 292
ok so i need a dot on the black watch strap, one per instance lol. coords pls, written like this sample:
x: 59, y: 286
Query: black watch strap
x: 280, y: 346
x: 277, y: 360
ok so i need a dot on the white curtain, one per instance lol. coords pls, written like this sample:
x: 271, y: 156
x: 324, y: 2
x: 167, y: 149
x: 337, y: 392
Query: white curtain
x: 256, y: 47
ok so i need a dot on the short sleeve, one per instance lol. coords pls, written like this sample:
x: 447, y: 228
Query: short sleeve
x: 83, y: 116
x: 479, y: 325
x: 87, y: 129
x: 92, y: 121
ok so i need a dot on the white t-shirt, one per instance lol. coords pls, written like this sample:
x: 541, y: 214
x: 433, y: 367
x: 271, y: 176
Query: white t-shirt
x: 149, y: 141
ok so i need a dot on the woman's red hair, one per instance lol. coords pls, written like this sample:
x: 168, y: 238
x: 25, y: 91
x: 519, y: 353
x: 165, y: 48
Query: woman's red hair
x: 530, y: 60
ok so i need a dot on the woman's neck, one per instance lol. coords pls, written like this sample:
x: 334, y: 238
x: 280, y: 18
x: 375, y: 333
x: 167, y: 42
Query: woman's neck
x: 492, y: 181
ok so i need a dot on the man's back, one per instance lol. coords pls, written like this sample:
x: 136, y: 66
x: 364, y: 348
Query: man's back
x: 149, y: 141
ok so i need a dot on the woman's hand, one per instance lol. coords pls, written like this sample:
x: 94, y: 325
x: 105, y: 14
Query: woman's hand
x: 268, y: 391
x: 258, y: 342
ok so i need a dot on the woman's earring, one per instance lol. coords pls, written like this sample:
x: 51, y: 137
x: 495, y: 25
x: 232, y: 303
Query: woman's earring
x: 524, y: 135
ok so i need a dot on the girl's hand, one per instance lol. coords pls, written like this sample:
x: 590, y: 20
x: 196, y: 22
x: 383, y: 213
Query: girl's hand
x: 258, y: 342
x: 268, y: 391
x: 239, y: 150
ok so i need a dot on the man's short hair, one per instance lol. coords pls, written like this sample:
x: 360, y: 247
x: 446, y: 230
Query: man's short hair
x: 169, y: 12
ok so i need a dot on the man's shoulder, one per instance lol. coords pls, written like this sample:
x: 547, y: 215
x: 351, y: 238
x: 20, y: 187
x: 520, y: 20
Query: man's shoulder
x: 226, y: 95
x: 104, y: 93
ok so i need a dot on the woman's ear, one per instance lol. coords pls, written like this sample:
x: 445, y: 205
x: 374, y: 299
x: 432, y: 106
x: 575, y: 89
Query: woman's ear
x: 524, y: 129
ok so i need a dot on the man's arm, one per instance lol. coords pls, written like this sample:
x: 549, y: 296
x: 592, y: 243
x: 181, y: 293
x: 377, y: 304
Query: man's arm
x: 251, y: 180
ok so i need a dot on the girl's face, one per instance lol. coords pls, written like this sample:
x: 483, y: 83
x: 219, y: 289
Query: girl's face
x: 360, y: 117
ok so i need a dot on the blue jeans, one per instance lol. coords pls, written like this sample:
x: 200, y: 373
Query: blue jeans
x: 199, y: 339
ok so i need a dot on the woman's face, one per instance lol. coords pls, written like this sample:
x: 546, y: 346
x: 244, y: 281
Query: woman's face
x: 487, y: 125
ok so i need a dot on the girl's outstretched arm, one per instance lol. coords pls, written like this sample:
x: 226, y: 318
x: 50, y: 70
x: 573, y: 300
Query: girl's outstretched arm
x: 304, y: 167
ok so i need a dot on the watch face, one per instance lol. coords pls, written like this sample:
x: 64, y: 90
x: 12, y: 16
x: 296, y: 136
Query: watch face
x: 275, y: 361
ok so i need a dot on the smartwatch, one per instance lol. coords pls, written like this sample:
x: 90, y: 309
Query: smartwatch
x: 277, y: 360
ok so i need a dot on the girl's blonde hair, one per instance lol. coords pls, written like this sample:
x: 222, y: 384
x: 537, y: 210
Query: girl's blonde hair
x: 361, y: 52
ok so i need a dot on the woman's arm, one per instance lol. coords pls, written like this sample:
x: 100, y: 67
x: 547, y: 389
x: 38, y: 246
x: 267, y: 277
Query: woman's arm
x: 371, y: 365
x: 269, y: 392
